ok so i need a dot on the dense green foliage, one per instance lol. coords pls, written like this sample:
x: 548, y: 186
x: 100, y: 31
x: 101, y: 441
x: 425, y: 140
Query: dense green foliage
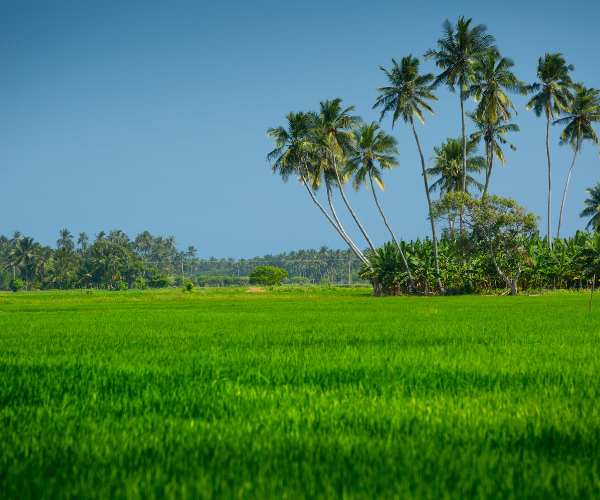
x: 302, y: 394
x: 267, y: 275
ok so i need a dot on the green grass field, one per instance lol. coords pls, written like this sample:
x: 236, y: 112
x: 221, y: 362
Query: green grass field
x: 301, y: 395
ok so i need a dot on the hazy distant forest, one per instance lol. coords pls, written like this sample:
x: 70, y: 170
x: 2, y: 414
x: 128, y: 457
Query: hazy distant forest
x: 115, y: 262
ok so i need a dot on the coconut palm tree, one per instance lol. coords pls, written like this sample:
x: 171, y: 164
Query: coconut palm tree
x: 83, y: 240
x: 448, y: 163
x: 492, y: 133
x: 492, y: 75
x: 294, y: 155
x: 552, y: 97
x: 585, y: 109
x: 592, y: 207
x: 99, y: 237
x: 22, y: 255
x: 332, y: 132
x: 371, y: 146
x: 66, y: 239
x: 405, y: 97
x: 16, y: 237
x: 456, y: 55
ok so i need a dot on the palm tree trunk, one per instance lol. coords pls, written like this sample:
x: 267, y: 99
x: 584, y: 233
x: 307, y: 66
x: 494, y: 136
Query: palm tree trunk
x: 410, y: 279
x: 562, y: 207
x: 435, y: 247
x: 549, y: 184
x: 341, y: 232
x: 362, y: 229
x: 464, y: 137
x: 341, y: 228
x: 490, y: 159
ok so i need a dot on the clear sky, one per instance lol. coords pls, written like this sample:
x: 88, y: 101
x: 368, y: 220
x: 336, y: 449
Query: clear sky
x: 145, y: 115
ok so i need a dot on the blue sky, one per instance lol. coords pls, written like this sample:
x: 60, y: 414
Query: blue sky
x: 153, y: 115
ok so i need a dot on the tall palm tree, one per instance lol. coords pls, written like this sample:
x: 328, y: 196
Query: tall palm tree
x: 99, y: 237
x: 448, y: 163
x: 592, y: 207
x: 83, y: 240
x: 22, y: 255
x: 332, y: 131
x: 585, y: 109
x: 493, y: 75
x: 66, y: 239
x: 553, y: 97
x: 294, y: 150
x: 16, y: 237
x: 405, y: 97
x: 371, y: 146
x: 492, y: 133
x: 191, y: 254
x: 456, y: 56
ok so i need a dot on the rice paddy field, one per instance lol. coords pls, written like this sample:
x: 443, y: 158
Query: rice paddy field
x: 299, y: 394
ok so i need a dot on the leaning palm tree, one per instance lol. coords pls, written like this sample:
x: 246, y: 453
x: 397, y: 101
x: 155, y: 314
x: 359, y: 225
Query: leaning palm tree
x: 371, y: 146
x: 294, y: 155
x: 405, y: 97
x: 456, y: 56
x: 492, y: 134
x: 592, y: 207
x: 66, y: 239
x: 448, y: 163
x: 585, y: 109
x: 332, y: 137
x: 553, y: 97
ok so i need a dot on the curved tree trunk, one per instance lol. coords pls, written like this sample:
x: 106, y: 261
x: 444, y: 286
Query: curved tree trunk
x: 410, y: 279
x: 435, y: 248
x: 337, y: 174
x: 562, y: 207
x: 549, y: 184
x: 350, y: 242
x: 358, y: 253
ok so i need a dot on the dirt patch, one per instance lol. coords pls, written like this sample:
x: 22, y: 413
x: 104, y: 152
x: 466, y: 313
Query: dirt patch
x: 255, y: 290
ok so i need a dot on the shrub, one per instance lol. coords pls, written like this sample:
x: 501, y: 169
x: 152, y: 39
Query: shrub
x: 268, y: 276
x: 188, y: 286
x: 16, y: 284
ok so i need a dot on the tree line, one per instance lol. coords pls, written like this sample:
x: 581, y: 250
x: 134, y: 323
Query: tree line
x: 332, y: 147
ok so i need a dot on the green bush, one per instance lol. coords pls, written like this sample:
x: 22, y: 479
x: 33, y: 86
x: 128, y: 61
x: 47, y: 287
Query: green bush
x: 188, y: 286
x: 268, y: 276
x: 16, y: 284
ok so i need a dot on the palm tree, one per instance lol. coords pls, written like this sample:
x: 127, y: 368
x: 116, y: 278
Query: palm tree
x: 332, y: 130
x: 22, y: 255
x: 371, y: 146
x: 406, y: 98
x: 191, y: 254
x: 448, y: 162
x: 16, y: 237
x: 83, y: 241
x: 99, y: 237
x: 593, y: 207
x: 553, y: 96
x: 585, y: 109
x: 492, y: 133
x: 292, y: 156
x: 456, y: 56
x: 492, y: 74
x: 66, y: 239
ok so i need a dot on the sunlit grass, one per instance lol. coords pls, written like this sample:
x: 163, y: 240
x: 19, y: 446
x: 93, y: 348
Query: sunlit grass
x: 310, y: 393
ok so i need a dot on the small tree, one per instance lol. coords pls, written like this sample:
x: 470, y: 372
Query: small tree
x: 495, y: 225
x: 268, y: 276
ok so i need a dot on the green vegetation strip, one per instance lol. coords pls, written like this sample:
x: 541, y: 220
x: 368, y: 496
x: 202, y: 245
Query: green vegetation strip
x: 305, y: 394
